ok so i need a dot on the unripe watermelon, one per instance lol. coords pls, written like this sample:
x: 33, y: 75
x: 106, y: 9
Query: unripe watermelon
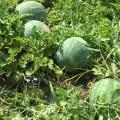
x: 105, y: 91
x: 38, y: 25
x: 34, y: 11
x: 74, y: 54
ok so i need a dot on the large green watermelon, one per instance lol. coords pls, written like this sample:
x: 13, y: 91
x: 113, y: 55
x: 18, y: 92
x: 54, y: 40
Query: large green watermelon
x: 105, y: 91
x: 34, y: 11
x: 38, y: 25
x: 74, y: 54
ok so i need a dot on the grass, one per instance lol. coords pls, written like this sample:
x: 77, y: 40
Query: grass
x: 73, y: 106
x: 57, y: 95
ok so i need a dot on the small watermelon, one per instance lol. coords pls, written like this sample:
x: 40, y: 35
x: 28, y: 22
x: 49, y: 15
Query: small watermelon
x: 38, y: 25
x: 74, y: 55
x: 32, y: 10
x: 105, y: 91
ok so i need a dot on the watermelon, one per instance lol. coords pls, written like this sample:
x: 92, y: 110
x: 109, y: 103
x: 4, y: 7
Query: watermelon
x: 32, y: 10
x: 105, y: 91
x: 74, y: 55
x: 38, y: 25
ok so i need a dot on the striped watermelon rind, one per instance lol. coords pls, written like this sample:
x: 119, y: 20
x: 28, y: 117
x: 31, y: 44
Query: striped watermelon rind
x: 38, y: 25
x: 32, y: 10
x: 105, y: 91
x: 74, y: 55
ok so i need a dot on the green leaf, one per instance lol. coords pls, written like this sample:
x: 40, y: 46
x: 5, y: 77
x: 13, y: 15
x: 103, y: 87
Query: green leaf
x: 54, y: 94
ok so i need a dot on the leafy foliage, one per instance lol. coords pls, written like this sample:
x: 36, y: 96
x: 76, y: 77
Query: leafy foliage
x: 22, y: 59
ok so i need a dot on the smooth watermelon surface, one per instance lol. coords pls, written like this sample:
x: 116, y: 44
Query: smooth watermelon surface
x: 74, y: 54
x: 38, y: 25
x: 105, y: 91
x: 32, y: 10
